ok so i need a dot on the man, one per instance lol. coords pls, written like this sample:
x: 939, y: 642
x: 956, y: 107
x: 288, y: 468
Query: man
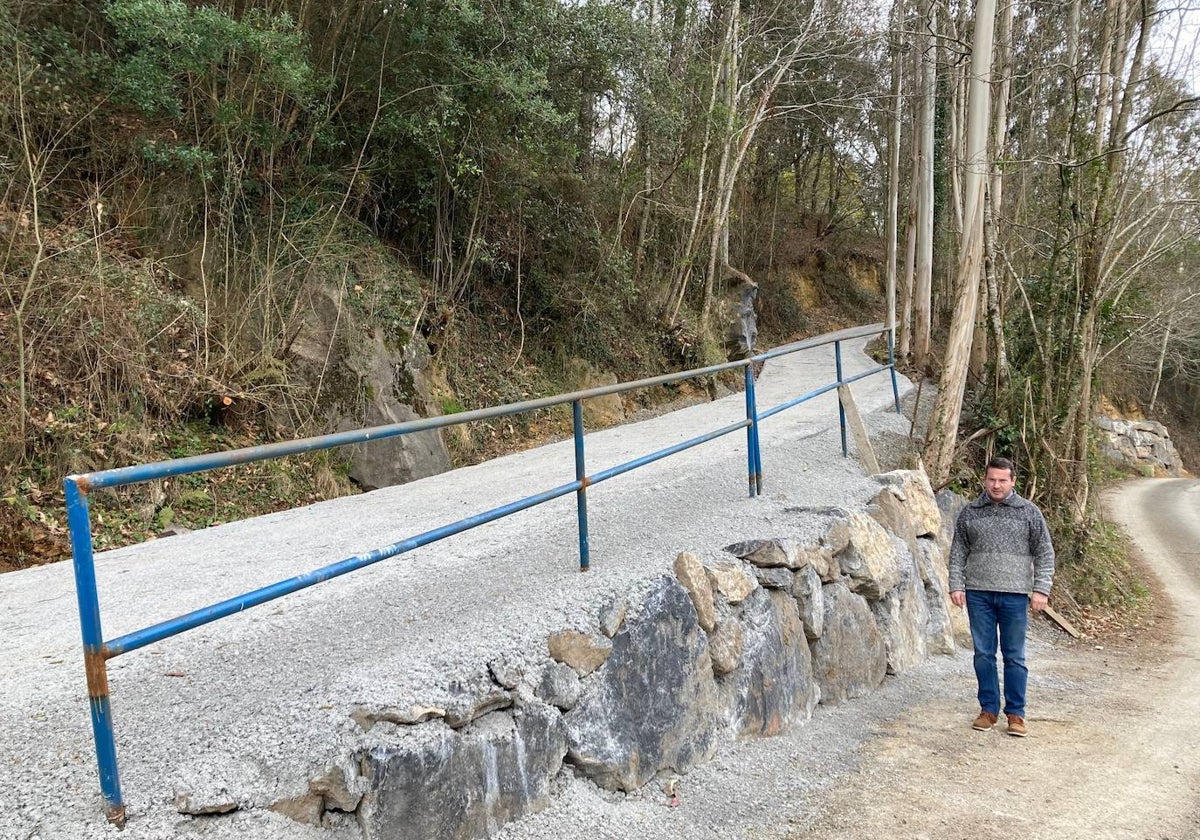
x: 1001, y: 563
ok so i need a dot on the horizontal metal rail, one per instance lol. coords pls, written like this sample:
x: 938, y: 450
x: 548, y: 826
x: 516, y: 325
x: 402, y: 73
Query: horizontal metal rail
x: 97, y: 651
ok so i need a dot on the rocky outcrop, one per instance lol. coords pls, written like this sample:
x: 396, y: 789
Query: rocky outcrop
x: 741, y: 643
x: 1144, y: 445
x: 598, y: 412
x: 362, y: 378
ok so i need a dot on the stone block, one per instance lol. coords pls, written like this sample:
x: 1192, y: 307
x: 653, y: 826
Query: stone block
x: 810, y: 601
x: 726, y: 646
x: 869, y: 559
x: 731, y: 579
x: 774, y: 686
x: 585, y: 652
x: 849, y: 660
x: 691, y: 575
x: 903, y: 616
x: 439, y: 782
x: 913, y: 489
x: 654, y: 705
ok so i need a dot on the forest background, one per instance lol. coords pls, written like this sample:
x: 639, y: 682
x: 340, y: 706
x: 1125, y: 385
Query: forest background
x: 519, y: 187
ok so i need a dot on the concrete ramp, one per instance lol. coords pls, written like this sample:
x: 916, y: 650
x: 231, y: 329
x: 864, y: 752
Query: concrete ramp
x: 246, y: 712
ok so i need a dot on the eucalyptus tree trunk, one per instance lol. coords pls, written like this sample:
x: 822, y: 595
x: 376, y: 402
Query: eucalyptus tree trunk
x: 995, y: 195
x: 893, y: 196
x: 923, y: 279
x: 939, y: 454
x: 905, y: 327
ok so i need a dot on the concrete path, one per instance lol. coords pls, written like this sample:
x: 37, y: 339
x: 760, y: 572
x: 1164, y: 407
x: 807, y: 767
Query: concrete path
x: 258, y: 703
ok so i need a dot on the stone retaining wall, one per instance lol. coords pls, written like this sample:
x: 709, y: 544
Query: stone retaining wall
x: 744, y: 642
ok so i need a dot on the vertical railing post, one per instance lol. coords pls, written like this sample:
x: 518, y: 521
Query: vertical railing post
x: 581, y: 493
x: 892, y: 365
x: 837, y: 357
x: 753, y: 465
x: 93, y: 649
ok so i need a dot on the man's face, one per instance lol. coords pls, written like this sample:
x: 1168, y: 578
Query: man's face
x: 998, y: 483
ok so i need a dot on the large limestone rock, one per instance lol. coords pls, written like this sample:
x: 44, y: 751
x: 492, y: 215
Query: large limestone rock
x: 903, y: 616
x: 849, y: 660
x: 439, y: 782
x: 889, y: 511
x: 1142, y: 444
x: 913, y: 489
x: 598, y: 412
x: 382, y: 374
x: 654, y: 704
x: 869, y: 558
x: 361, y: 378
x: 774, y: 686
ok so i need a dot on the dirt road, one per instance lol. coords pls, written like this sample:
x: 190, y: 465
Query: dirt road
x: 1114, y: 745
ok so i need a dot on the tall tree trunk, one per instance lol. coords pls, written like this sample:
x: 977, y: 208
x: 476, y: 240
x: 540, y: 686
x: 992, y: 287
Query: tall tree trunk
x: 995, y: 194
x: 948, y: 406
x: 893, y: 195
x: 923, y: 282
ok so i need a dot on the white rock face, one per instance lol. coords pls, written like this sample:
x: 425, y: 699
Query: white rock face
x: 1141, y: 444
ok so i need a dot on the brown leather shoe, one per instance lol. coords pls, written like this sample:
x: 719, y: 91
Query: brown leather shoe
x: 1016, y: 726
x: 984, y: 722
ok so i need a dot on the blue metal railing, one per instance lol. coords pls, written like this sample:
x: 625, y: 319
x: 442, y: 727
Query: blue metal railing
x: 97, y: 651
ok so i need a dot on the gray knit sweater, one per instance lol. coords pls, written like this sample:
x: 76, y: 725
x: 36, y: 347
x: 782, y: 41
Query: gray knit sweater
x: 1001, y: 547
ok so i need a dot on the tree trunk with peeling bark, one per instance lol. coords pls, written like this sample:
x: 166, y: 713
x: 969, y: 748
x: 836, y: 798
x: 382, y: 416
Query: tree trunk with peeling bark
x: 939, y: 454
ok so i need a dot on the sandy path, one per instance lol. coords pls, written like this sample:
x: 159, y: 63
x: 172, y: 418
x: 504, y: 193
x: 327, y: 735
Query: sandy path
x: 1114, y: 749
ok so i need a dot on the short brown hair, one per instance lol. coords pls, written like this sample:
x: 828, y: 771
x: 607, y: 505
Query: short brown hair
x: 999, y: 463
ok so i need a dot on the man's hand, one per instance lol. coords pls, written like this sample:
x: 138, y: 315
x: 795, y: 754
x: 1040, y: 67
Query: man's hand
x: 1038, y: 601
x: 959, y: 598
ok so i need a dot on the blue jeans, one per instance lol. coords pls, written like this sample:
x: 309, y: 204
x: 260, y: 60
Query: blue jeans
x: 1004, y: 615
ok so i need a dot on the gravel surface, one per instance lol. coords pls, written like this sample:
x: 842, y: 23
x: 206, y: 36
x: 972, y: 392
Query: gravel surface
x: 258, y: 703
